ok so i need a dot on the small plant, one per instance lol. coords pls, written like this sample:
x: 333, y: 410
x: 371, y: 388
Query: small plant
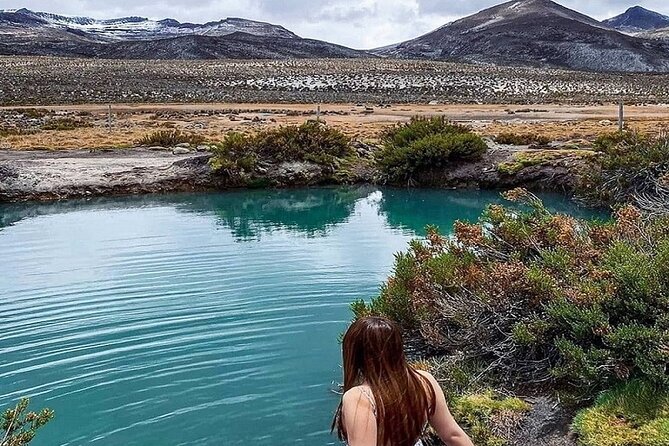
x: 425, y: 144
x: 490, y: 419
x: 170, y: 138
x: 63, y: 124
x: 18, y: 427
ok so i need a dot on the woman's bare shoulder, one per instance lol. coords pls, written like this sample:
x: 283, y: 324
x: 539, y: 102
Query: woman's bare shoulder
x: 427, y: 375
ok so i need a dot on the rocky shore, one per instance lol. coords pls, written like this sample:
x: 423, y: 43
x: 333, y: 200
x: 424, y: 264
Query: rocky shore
x: 55, y: 175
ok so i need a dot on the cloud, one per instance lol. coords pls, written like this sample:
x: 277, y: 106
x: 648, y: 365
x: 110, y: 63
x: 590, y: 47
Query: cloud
x: 354, y: 23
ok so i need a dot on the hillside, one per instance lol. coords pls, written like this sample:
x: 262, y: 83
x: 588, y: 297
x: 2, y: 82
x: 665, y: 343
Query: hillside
x: 536, y: 33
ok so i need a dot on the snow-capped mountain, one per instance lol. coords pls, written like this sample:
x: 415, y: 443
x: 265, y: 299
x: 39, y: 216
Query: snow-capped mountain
x: 25, y: 32
x: 638, y: 19
x: 536, y: 33
x: 140, y: 28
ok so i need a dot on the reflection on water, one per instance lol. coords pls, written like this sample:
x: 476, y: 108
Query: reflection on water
x: 201, y: 318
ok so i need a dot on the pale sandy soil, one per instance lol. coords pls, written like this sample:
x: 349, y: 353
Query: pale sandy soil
x: 131, y: 122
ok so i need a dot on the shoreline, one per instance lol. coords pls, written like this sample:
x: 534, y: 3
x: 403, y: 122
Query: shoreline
x: 59, y: 175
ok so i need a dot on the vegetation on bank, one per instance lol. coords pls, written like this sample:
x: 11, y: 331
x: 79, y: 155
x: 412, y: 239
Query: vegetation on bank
x: 539, y: 300
x: 522, y: 139
x: 424, y: 144
x: 630, y: 167
x: 310, y: 142
x: 523, y: 160
x: 18, y: 426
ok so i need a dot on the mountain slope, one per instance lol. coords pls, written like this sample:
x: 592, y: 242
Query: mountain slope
x: 638, y: 19
x: 24, y: 32
x: 536, y: 33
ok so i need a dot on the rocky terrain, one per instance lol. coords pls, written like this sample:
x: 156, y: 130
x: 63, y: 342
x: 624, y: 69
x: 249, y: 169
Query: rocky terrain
x: 536, y: 33
x: 41, y: 81
x: 24, y: 32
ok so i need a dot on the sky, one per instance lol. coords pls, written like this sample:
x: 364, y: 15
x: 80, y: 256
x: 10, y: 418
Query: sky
x: 358, y: 24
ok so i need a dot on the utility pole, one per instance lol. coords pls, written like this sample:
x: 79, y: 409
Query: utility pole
x: 318, y: 113
x: 621, y: 116
x: 109, y: 118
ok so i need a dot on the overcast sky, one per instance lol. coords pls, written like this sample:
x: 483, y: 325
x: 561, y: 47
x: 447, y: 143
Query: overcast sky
x: 354, y: 23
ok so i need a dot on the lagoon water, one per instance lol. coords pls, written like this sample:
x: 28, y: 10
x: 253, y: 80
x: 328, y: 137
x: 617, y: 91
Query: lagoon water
x: 198, y: 319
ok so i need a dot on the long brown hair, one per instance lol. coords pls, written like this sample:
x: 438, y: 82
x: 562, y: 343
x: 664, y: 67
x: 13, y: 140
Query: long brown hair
x: 373, y: 352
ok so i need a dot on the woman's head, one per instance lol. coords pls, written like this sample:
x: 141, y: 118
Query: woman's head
x: 372, y: 351
x: 373, y: 354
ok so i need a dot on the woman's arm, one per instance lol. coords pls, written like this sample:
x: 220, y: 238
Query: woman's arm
x: 442, y: 421
x: 359, y: 420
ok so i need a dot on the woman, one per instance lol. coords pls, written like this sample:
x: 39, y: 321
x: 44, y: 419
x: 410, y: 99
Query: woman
x: 386, y: 402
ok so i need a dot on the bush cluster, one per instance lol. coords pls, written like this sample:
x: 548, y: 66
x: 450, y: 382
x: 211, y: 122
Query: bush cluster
x: 170, y: 138
x: 311, y: 142
x: 542, y: 298
x: 425, y: 144
x: 630, y: 167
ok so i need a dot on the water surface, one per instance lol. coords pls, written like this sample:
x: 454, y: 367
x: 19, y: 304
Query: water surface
x: 208, y: 319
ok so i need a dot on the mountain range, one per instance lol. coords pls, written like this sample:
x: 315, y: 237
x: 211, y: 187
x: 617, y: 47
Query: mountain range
x: 24, y: 32
x: 538, y: 33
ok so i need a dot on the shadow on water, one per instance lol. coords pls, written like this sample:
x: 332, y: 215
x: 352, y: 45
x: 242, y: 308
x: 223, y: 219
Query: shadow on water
x: 309, y: 212
x: 413, y: 210
x: 248, y: 214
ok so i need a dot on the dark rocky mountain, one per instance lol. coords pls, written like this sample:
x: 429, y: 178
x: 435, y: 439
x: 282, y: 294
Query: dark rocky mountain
x: 536, y: 33
x: 24, y: 32
x: 638, y: 19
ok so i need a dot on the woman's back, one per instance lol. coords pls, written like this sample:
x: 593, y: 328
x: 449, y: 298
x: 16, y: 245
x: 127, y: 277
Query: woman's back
x: 386, y: 402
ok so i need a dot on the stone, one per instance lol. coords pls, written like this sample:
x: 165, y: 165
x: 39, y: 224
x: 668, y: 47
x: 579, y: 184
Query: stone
x: 202, y: 148
x: 180, y: 151
x: 184, y: 145
x: 158, y: 148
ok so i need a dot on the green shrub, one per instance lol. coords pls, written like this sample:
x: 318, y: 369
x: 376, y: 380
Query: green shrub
x: 425, y: 144
x: 634, y: 414
x: 526, y: 139
x: 170, y: 138
x: 630, y: 167
x: 402, y: 135
x: 311, y: 141
x: 541, y: 297
x: 18, y: 427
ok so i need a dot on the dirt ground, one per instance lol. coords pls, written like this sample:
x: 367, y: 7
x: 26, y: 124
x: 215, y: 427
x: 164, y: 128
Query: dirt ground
x: 131, y: 122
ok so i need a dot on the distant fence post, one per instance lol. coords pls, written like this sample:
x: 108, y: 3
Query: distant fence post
x: 318, y: 113
x: 621, y: 116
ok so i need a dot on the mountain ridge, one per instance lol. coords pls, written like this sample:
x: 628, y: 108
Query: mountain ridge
x: 26, y: 32
x: 535, y: 33
x: 638, y: 19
